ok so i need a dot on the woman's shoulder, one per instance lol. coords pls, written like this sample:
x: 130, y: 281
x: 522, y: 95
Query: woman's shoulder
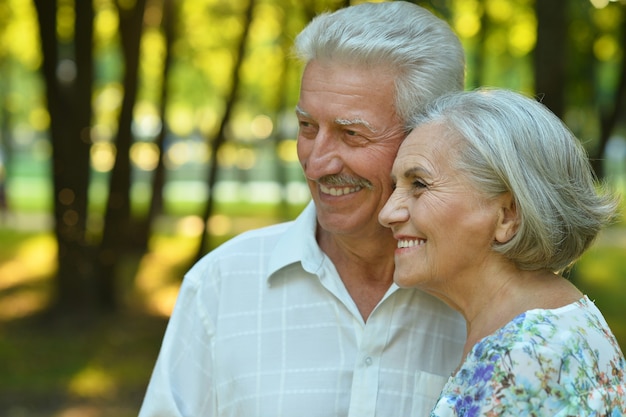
x: 556, y: 355
x: 572, y: 341
x: 573, y: 329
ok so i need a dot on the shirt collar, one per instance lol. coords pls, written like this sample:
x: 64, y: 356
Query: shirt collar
x: 298, y: 244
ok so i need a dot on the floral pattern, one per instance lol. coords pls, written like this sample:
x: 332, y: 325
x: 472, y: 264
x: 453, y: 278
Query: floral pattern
x: 561, y: 362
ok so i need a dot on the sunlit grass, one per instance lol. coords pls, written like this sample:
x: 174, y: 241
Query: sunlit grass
x: 92, y: 381
x: 67, y: 367
x: 47, y: 364
x: 25, y: 271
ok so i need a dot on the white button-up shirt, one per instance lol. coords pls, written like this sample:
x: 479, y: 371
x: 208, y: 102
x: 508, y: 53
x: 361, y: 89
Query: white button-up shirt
x: 264, y: 327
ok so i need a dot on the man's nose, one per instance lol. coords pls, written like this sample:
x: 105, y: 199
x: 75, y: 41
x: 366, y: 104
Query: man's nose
x: 324, y: 157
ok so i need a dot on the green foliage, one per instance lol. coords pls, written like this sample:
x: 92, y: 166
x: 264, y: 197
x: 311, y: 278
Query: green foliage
x: 498, y: 33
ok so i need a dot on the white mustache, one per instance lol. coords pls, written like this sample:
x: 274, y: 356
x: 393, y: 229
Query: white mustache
x: 345, y: 181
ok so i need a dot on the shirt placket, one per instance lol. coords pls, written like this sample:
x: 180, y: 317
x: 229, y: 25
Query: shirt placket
x: 366, y: 377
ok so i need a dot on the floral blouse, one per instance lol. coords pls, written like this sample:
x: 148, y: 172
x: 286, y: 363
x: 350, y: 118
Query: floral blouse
x: 560, y: 362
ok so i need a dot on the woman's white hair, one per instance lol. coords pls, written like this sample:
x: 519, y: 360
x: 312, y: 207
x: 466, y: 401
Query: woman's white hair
x: 400, y: 37
x: 512, y: 143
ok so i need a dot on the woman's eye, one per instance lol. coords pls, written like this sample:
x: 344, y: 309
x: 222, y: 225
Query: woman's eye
x: 419, y: 184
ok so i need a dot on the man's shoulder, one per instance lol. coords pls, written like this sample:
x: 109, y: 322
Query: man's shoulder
x: 264, y: 239
x: 260, y: 240
x: 253, y: 247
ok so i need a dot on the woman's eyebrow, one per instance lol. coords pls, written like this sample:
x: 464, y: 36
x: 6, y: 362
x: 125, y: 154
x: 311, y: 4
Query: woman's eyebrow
x: 411, y: 172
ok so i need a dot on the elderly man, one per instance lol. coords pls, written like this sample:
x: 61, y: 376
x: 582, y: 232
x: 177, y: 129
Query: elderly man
x: 303, y: 318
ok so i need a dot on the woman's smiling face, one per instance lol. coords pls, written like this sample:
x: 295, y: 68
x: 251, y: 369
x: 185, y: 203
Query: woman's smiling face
x: 444, y: 226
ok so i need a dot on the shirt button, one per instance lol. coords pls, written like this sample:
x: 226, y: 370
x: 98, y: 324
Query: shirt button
x: 368, y: 361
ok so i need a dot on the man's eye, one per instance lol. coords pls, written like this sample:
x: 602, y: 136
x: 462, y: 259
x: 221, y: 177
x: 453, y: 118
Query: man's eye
x: 419, y: 184
x: 307, y: 129
x: 354, y: 138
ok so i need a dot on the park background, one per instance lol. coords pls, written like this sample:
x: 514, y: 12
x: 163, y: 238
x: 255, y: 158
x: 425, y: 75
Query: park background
x: 136, y: 135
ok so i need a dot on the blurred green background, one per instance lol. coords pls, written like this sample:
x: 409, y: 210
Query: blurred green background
x: 136, y: 135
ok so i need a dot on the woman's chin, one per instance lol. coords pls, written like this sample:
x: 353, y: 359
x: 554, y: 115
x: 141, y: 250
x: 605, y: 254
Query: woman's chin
x: 404, y: 281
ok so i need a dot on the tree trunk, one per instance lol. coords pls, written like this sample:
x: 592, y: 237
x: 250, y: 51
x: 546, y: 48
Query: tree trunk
x: 68, y: 94
x: 158, y: 180
x: 480, y: 52
x: 220, y: 137
x: 549, y: 54
x: 279, y: 107
x: 116, y: 233
x: 6, y: 149
x: 609, y: 119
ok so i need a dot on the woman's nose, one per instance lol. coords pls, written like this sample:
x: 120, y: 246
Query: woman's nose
x: 394, y: 211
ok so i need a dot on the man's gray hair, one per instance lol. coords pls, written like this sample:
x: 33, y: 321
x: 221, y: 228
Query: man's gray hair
x: 402, y: 38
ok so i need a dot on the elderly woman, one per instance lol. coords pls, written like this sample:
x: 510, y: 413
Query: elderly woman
x: 493, y: 199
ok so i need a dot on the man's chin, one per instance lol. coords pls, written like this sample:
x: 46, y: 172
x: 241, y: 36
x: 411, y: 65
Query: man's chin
x: 340, y: 223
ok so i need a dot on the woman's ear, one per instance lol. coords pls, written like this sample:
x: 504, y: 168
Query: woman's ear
x: 508, y: 220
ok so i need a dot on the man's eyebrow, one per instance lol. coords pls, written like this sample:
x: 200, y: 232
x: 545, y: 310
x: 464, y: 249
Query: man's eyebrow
x: 341, y: 122
x: 355, y: 122
x: 302, y: 113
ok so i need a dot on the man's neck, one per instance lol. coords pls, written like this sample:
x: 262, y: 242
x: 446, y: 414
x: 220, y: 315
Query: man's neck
x: 365, y: 266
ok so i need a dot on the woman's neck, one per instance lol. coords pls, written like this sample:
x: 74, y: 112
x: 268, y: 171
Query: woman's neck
x: 499, y: 304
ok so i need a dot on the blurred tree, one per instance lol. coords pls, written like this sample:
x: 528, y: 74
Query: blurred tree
x: 86, y: 274
x: 549, y: 55
x: 68, y: 73
x: 481, y: 50
x: 169, y: 16
x: 277, y: 111
x: 220, y: 137
x: 616, y: 111
x: 5, y: 116
x: 594, y: 74
x: 117, y: 232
